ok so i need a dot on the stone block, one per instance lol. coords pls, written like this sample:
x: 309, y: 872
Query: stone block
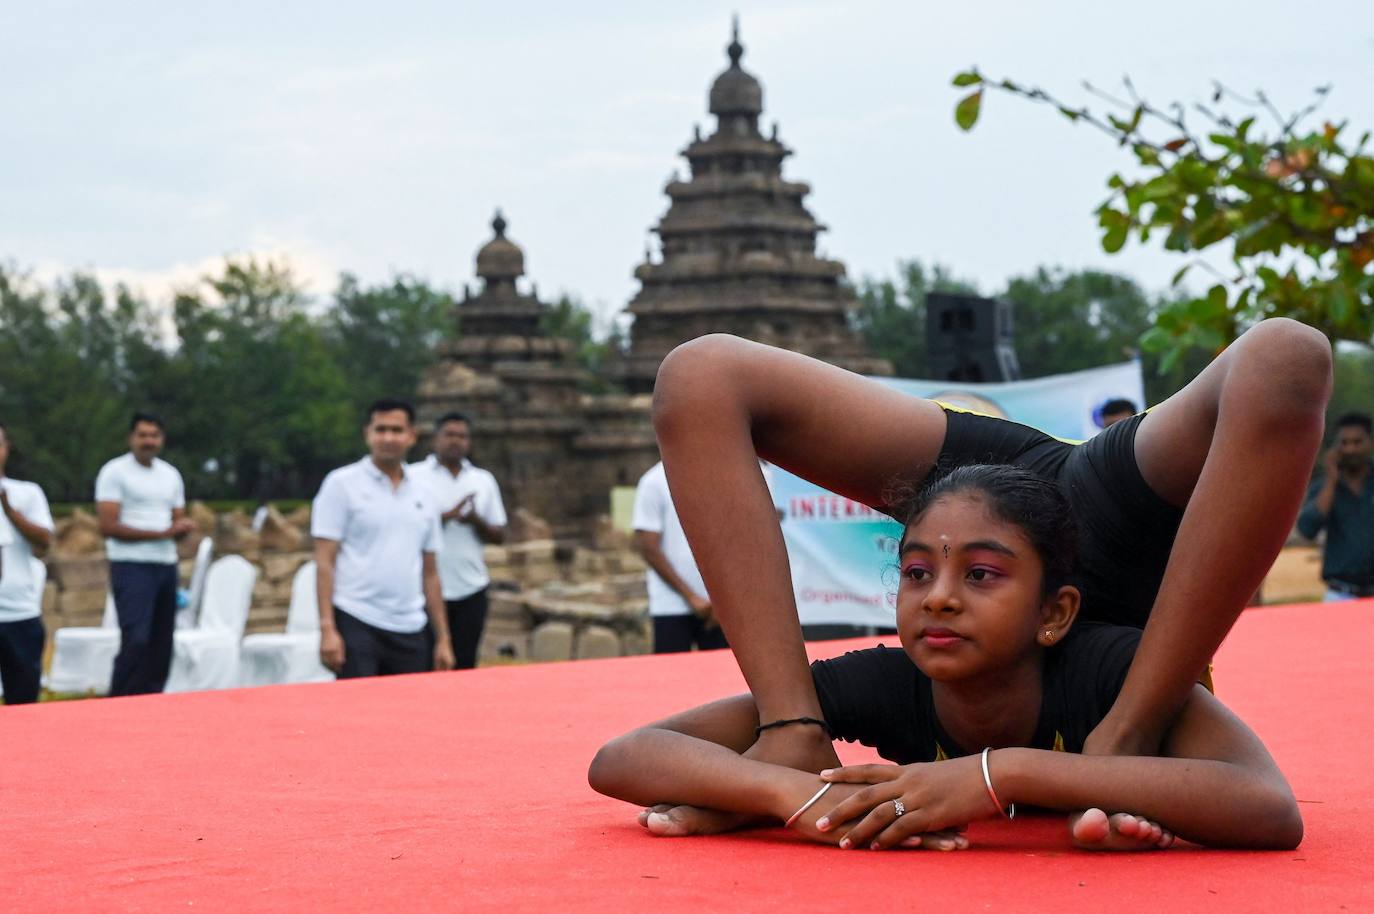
x: 90, y: 573
x: 277, y: 568
x: 79, y: 535
x: 551, y: 641
x: 505, y: 645
x: 524, y: 526
x: 637, y: 641
x: 597, y: 641
x: 277, y: 534
x: 199, y: 512
x: 531, y: 552
x: 75, y: 605
x: 188, y: 544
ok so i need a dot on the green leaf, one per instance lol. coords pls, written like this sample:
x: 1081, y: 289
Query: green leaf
x: 1156, y: 339
x: 968, y: 78
x: 966, y: 113
x: 1117, y: 226
x: 1070, y: 113
x: 1182, y: 271
x: 1215, y: 302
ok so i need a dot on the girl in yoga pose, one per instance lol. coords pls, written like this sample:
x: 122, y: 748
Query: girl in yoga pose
x: 993, y: 657
x: 1181, y: 511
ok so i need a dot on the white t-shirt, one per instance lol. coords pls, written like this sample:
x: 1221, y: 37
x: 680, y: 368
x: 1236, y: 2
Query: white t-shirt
x: 146, y: 496
x: 654, y: 512
x: 20, y: 597
x: 462, y: 569
x: 382, y: 532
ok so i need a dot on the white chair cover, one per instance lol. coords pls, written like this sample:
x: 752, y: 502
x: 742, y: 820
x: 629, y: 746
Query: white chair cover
x: 274, y: 658
x: 207, y: 656
x: 83, y: 656
x: 186, y: 616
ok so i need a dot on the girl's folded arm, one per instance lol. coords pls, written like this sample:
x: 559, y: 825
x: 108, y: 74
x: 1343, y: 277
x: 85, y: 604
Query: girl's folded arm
x: 1217, y: 784
x: 693, y: 758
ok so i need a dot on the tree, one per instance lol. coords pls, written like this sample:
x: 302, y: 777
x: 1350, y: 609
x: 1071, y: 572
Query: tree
x: 1295, y: 204
x: 1069, y: 321
x: 892, y: 313
x: 71, y: 366
x: 569, y: 319
x: 384, y: 337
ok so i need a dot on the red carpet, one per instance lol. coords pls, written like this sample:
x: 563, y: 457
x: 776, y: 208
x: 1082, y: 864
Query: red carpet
x: 466, y: 791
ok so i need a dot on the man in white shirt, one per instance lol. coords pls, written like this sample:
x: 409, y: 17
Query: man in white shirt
x: 141, y: 504
x: 26, y: 530
x: 376, y: 531
x: 678, y: 603
x: 473, y: 516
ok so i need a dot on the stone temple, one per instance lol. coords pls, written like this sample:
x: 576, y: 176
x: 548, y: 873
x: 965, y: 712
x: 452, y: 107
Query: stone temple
x: 556, y: 451
x: 739, y: 250
x: 738, y: 256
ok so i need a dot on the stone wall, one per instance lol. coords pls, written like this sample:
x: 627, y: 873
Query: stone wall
x: 548, y: 601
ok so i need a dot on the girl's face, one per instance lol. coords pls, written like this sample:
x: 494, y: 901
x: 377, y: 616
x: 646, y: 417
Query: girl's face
x: 970, y: 601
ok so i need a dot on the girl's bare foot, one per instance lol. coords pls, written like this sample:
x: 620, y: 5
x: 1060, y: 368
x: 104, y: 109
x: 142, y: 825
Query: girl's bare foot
x: 667, y: 821
x: 1094, y: 830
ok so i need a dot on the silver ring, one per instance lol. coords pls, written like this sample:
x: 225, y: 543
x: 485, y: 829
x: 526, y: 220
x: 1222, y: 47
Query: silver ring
x: 900, y: 809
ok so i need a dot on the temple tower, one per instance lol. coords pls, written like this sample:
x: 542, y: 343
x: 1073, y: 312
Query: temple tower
x: 739, y: 250
x: 520, y: 386
x: 555, y: 450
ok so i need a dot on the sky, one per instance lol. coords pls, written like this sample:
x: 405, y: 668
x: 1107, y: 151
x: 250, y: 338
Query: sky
x: 147, y: 141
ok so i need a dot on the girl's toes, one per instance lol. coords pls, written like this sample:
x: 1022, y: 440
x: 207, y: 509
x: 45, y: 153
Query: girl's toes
x: 1091, y: 827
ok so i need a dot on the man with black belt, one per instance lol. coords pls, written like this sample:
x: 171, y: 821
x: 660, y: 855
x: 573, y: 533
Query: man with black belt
x: 140, y: 501
x: 25, y: 531
x: 1342, y: 501
x: 376, y: 532
x: 472, y: 516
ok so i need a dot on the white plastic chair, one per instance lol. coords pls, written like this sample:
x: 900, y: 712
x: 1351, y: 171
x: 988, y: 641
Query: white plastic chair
x: 186, y: 616
x: 207, y: 656
x: 83, y: 656
x: 273, y: 658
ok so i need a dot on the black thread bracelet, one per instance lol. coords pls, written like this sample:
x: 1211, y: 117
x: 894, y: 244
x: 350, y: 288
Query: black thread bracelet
x: 758, y: 731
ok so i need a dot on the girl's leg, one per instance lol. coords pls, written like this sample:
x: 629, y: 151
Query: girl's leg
x: 1236, y: 447
x: 720, y: 403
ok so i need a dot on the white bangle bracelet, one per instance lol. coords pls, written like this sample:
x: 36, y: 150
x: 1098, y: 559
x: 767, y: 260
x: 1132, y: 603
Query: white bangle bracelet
x: 987, y: 780
x: 792, y: 819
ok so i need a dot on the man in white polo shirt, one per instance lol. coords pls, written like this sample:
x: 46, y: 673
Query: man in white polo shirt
x: 25, y: 531
x: 473, y: 516
x: 376, y: 532
x: 141, y: 504
x: 679, y: 605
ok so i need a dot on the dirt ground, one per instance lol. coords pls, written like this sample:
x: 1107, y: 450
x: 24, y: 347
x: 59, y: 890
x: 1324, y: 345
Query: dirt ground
x: 1295, y: 577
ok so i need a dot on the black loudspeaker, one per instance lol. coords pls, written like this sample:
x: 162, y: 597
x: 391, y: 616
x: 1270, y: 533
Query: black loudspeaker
x: 969, y: 339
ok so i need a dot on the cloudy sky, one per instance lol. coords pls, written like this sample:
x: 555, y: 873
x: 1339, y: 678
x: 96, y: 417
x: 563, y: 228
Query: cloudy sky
x: 145, y: 141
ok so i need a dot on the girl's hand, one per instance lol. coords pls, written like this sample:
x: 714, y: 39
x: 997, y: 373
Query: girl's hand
x: 939, y: 798
x: 947, y: 840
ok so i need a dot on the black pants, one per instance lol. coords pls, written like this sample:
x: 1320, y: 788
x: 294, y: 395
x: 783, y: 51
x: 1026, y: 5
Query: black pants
x: 676, y: 634
x: 372, y: 651
x: 145, y: 596
x: 466, y: 619
x: 21, y: 660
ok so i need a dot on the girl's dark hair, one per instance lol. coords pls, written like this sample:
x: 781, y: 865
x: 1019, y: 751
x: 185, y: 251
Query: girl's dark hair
x: 1015, y: 496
